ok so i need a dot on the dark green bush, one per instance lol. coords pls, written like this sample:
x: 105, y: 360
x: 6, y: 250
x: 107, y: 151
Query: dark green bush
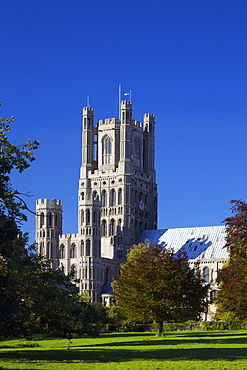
x: 127, y: 326
x: 224, y: 325
x: 173, y: 326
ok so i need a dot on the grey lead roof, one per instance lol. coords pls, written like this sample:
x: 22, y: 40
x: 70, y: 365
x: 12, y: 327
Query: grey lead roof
x: 197, y: 242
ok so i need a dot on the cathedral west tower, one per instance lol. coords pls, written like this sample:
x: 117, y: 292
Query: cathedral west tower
x: 117, y: 198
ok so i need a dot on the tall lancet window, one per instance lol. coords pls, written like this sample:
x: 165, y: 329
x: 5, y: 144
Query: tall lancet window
x: 120, y: 198
x: 138, y: 151
x: 106, y: 149
x: 104, y: 198
x: 112, y: 198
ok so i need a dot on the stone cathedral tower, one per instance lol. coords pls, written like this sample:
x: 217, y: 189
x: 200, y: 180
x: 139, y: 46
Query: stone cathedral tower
x: 117, y: 199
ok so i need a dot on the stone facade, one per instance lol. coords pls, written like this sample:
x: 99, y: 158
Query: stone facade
x: 117, y: 207
x: 117, y: 199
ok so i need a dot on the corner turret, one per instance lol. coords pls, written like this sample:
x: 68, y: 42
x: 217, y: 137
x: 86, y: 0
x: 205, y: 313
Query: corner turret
x: 48, y: 227
x: 87, y: 139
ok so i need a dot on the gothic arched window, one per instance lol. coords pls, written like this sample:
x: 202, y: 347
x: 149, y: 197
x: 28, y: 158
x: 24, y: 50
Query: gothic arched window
x: 103, y: 228
x: 95, y: 195
x: 88, y: 247
x: 106, y: 149
x: 62, y: 251
x: 120, y: 200
x: 88, y: 217
x: 213, y: 295
x: 82, y: 217
x: 41, y: 219
x: 73, y: 251
x: 82, y: 248
x: 56, y: 219
x: 119, y: 225
x: 113, y: 198
x: 112, y: 227
x: 104, y: 198
x: 49, y: 219
x: 206, y: 275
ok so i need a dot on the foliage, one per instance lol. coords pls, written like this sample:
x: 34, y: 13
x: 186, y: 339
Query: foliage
x: 178, y: 326
x: 114, y: 316
x: 232, y: 296
x: 232, y: 279
x: 12, y: 157
x: 36, y: 298
x: 236, y: 228
x: 11, y: 204
x: 224, y: 325
x: 156, y: 285
x: 33, y: 296
x: 127, y: 326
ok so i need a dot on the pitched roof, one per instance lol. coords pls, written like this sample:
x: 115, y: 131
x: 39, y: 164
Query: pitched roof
x: 197, y: 242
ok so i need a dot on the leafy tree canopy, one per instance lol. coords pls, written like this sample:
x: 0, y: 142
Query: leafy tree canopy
x: 12, y: 157
x: 236, y: 228
x: 156, y: 285
x: 232, y: 279
x: 11, y: 203
x: 33, y: 296
x: 232, y: 296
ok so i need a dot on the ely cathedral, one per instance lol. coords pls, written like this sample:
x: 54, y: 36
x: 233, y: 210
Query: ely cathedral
x: 117, y: 207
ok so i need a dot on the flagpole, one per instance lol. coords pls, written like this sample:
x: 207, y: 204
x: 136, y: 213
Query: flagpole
x: 119, y: 102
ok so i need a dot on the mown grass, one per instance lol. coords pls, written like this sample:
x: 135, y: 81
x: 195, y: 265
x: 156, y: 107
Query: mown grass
x: 132, y: 351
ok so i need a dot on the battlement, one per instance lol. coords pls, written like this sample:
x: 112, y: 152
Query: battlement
x: 87, y: 111
x: 126, y: 104
x: 49, y: 203
x: 149, y: 117
x: 138, y: 124
x: 108, y: 121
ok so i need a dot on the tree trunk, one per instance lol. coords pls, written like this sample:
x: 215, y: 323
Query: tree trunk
x: 159, y: 332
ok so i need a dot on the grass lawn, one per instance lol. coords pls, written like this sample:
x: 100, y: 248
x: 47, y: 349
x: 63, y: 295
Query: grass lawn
x: 132, y: 351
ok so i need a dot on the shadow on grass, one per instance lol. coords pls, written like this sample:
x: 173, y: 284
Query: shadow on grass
x: 208, y: 334
x: 191, y: 338
x: 123, y: 355
x: 16, y: 368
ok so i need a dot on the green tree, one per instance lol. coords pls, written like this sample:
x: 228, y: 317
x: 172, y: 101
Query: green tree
x: 236, y: 229
x: 18, y: 158
x: 156, y: 285
x: 232, y: 279
x: 12, y: 249
x: 13, y: 157
x: 36, y: 298
x: 33, y: 296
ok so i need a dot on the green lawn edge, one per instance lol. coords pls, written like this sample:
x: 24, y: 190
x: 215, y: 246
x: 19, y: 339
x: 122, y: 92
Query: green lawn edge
x: 176, y: 350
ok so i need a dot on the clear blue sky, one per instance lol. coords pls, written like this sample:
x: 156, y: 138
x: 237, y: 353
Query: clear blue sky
x: 185, y: 61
